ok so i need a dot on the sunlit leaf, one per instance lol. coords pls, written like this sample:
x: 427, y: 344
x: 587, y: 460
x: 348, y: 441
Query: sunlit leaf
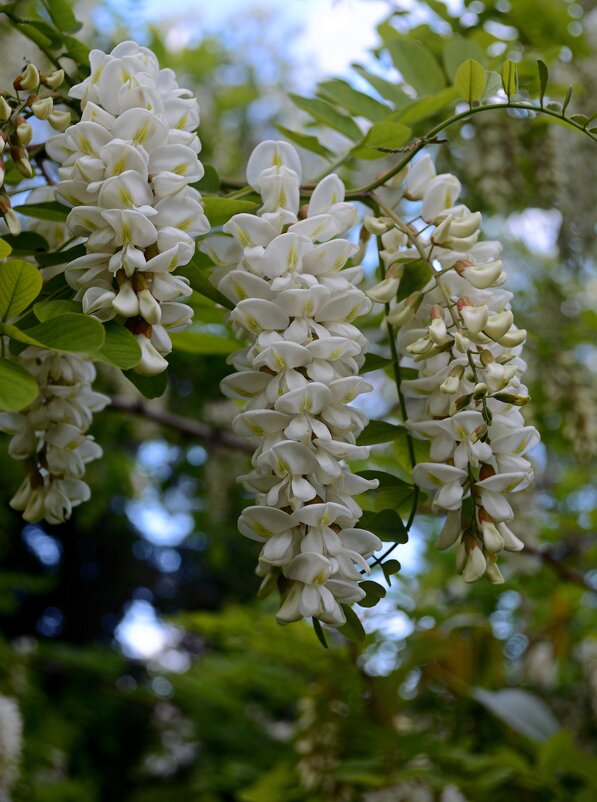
x: 20, y: 284
x: 324, y: 112
x: 470, y: 80
x: 417, y: 65
x: 18, y: 388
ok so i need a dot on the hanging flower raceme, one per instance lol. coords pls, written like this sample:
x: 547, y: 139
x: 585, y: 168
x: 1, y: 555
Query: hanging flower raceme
x: 458, y: 332
x: 295, y: 302
x: 126, y: 168
x: 49, y: 436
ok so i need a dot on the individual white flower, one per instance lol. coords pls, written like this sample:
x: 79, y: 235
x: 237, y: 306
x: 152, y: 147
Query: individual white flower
x: 49, y: 436
x: 295, y: 302
x: 126, y: 168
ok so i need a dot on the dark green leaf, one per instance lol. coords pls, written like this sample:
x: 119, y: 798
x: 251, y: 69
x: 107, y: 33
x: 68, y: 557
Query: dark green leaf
x: 28, y: 243
x: 60, y: 257
x: 355, y: 102
x: 120, y: 348
x: 375, y: 362
x: 375, y: 592
x: 18, y: 388
x: 319, y: 632
x: 20, y: 284
x: 31, y: 31
x: 210, y: 182
x: 416, y: 275
x: 352, y: 629
x: 543, y: 78
x: 44, y: 310
x: 149, y: 386
x: 386, y: 524
x: 307, y: 141
x: 220, y: 210
x: 77, y: 50
x: 389, y: 568
x: 379, y: 431
x: 72, y: 332
x: 53, y: 211
x: 417, y: 65
x: 323, y: 112
x: 199, y: 281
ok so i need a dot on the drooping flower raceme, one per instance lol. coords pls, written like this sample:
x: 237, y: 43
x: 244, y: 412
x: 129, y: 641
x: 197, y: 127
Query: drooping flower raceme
x: 50, y: 435
x: 295, y: 302
x: 126, y: 169
x: 458, y: 332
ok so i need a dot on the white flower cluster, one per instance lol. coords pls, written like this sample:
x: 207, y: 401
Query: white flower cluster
x: 50, y: 435
x: 126, y: 169
x: 458, y: 332
x: 295, y: 303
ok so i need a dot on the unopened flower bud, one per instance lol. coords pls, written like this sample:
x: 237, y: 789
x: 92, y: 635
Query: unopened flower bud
x: 59, y: 120
x: 512, y: 398
x: 12, y: 221
x: 513, y: 338
x: 29, y: 79
x: 24, y: 167
x: 461, y: 343
x: 5, y: 109
x: 376, y: 225
x: 492, y: 572
x: 24, y: 133
x: 438, y: 332
x: 385, y: 291
x: 499, y: 325
x: 54, y: 79
x: 452, y: 383
x: 480, y: 276
x: 42, y: 108
x: 479, y: 390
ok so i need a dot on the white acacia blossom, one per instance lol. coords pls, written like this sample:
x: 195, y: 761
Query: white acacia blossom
x: 49, y: 436
x: 126, y: 168
x: 458, y: 332
x: 295, y: 303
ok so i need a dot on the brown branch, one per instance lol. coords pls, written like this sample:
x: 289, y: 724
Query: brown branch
x: 569, y: 574
x: 211, y: 437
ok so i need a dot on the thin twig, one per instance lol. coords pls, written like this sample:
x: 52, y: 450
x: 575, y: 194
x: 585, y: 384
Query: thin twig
x: 215, y: 438
x: 569, y: 574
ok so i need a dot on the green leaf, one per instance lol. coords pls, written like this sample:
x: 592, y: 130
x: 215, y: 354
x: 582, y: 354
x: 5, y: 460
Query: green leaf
x: 375, y: 362
x: 379, y: 431
x: 374, y: 588
x: 323, y: 112
x: 352, y: 629
x: 20, y: 284
x: 566, y: 100
x: 18, y: 388
x: 355, y: 102
x: 509, y: 78
x: 307, y: 141
x: 416, y: 275
x: 60, y: 257
x: 470, y: 80
x: 120, y: 348
x: 220, y: 210
x: 62, y: 15
x: 77, y: 50
x: 28, y: 243
x: 53, y: 211
x: 196, y: 272
x: 392, y: 493
x: 44, y: 310
x: 493, y: 85
x: 210, y: 182
x: 200, y: 342
x: 386, y: 89
x: 31, y: 31
x: 543, y: 78
x: 417, y: 65
x: 458, y: 50
x: 386, y: 135
x: 5, y: 249
x: 386, y: 480
x: 425, y: 107
x: 76, y: 333
x: 319, y: 632
x: 386, y: 524
x: 523, y: 711
x: 149, y: 386
x: 389, y: 568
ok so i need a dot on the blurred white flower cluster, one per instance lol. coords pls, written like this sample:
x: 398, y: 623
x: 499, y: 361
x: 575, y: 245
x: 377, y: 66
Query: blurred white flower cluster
x: 458, y: 332
x: 11, y: 744
x: 295, y: 302
x: 126, y: 170
x: 49, y: 436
